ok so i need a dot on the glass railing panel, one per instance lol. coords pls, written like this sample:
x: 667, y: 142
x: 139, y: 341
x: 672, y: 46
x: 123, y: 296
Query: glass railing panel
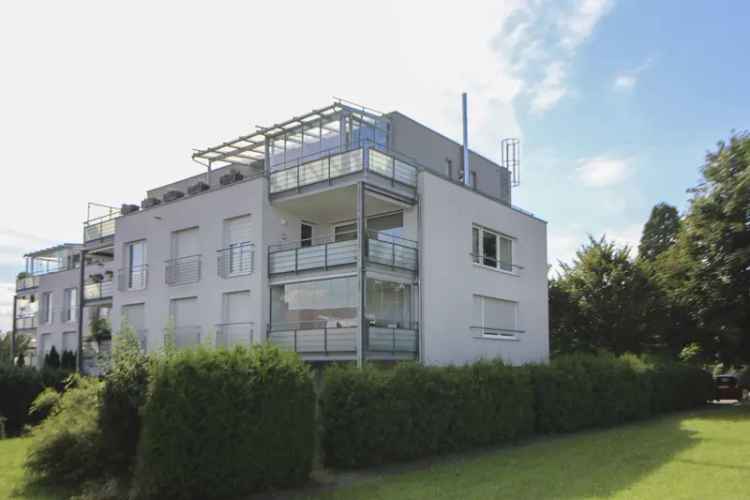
x: 394, y: 340
x: 346, y: 163
x: 380, y: 163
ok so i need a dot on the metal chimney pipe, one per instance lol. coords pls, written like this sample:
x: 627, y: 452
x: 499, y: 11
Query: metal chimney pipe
x: 467, y: 176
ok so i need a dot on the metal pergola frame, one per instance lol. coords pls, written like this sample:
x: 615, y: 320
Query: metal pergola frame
x: 254, y: 147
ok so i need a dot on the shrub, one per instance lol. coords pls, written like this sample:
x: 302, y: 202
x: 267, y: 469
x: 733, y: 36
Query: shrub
x: 123, y: 396
x: 374, y: 415
x: 18, y: 388
x: 44, y: 403
x: 68, y: 361
x: 65, y: 449
x: 52, y: 359
x: 222, y: 423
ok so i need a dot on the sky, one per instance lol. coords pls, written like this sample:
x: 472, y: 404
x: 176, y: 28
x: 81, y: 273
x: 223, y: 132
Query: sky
x: 615, y: 102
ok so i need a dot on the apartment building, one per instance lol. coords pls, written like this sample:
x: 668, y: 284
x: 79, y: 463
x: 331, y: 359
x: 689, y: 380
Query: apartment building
x: 343, y: 234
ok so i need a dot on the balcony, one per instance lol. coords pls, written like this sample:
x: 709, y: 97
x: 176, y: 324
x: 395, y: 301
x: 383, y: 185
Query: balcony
x: 132, y: 278
x: 98, y: 290
x: 183, y: 270
x: 100, y: 227
x: 27, y: 282
x: 313, y: 254
x: 327, y: 253
x: 393, y: 339
x: 27, y: 321
x: 315, y: 338
x: 236, y: 260
x: 366, y: 158
x: 231, y: 334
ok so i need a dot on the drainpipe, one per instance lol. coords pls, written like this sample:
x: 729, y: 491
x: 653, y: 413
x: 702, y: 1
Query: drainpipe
x: 467, y: 175
x: 79, y: 350
x: 362, y: 239
x: 13, y: 332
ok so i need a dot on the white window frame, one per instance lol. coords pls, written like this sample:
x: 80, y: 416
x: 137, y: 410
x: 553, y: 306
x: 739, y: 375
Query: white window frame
x: 70, y: 305
x: 479, y: 259
x: 131, y: 271
x: 46, y: 308
x: 511, y: 334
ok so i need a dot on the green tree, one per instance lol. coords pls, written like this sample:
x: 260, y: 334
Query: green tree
x: 714, y: 257
x: 22, y: 345
x: 52, y: 359
x: 603, y: 301
x: 660, y: 231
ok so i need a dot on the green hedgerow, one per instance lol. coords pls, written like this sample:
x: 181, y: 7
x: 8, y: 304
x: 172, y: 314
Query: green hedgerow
x: 222, y: 423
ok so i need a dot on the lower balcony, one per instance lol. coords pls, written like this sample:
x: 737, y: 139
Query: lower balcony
x: 100, y: 290
x: 27, y: 322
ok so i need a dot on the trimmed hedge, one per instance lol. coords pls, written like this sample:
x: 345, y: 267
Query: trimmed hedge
x: 373, y: 415
x: 223, y: 423
x: 19, y: 386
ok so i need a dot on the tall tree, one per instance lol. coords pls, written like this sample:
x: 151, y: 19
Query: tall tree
x: 716, y: 249
x: 660, y: 231
x: 602, y: 301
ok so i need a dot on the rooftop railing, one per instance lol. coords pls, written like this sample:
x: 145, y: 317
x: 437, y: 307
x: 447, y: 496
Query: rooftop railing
x: 100, y: 227
x: 337, y: 162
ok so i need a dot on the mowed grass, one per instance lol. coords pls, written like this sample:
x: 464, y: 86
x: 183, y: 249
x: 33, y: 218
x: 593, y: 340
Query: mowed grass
x: 698, y: 455
x: 695, y: 455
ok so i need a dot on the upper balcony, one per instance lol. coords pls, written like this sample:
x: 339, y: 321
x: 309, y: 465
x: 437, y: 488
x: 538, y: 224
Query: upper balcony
x: 338, y: 165
x: 99, y: 227
x: 50, y: 260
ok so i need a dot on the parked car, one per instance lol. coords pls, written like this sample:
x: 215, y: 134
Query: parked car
x: 727, y: 387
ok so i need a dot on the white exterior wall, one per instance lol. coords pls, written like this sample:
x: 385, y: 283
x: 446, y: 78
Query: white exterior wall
x: 207, y: 211
x: 450, y: 278
x: 55, y: 283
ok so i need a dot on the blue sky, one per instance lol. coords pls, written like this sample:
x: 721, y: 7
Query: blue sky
x: 615, y: 102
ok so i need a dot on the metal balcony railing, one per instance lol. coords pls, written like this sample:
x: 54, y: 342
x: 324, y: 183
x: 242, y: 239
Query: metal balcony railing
x: 495, y: 263
x: 27, y: 283
x: 314, y: 337
x: 394, y: 338
x: 27, y: 321
x: 100, y: 227
x: 183, y: 270
x: 507, y: 333
x: 236, y: 260
x: 98, y: 290
x: 132, y: 278
x: 230, y: 334
x: 333, y: 163
x: 392, y: 251
x: 312, y: 254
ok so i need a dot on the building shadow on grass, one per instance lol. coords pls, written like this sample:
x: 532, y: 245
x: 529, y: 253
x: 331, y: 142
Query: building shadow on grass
x: 592, y: 463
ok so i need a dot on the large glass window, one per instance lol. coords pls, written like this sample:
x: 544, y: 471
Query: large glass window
x: 136, y: 254
x: 314, y: 304
x: 388, y: 304
x: 387, y: 227
x: 491, y: 249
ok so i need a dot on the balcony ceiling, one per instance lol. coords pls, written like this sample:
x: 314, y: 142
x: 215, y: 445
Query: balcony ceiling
x: 336, y: 205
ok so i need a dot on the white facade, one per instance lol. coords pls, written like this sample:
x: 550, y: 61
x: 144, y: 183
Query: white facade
x: 354, y: 253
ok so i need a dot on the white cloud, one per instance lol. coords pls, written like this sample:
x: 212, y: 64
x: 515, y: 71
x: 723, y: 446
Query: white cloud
x: 603, y: 171
x: 627, y: 80
x: 629, y: 235
x: 541, y: 41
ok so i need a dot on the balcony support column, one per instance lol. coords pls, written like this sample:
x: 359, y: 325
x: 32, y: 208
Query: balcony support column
x: 81, y: 279
x: 361, y: 239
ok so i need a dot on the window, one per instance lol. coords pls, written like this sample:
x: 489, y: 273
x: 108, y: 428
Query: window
x: 46, y: 340
x: 495, y: 317
x: 305, y: 235
x: 235, y: 327
x: 135, y: 316
x: 330, y: 302
x: 387, y: 227
x: 388, y: 304
x: 136, y: 269
x: 186, y: 316
x: 70, y: 304
x: 238, y: 256
x: 46, y: 308
x: 70, y: 341
x: 491, y: 249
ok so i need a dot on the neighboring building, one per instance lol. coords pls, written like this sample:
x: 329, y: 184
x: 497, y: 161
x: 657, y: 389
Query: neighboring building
x: 342, y: 234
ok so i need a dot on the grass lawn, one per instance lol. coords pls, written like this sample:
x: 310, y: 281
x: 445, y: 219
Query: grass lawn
x: 702, y: 454
x: 698, y: 455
